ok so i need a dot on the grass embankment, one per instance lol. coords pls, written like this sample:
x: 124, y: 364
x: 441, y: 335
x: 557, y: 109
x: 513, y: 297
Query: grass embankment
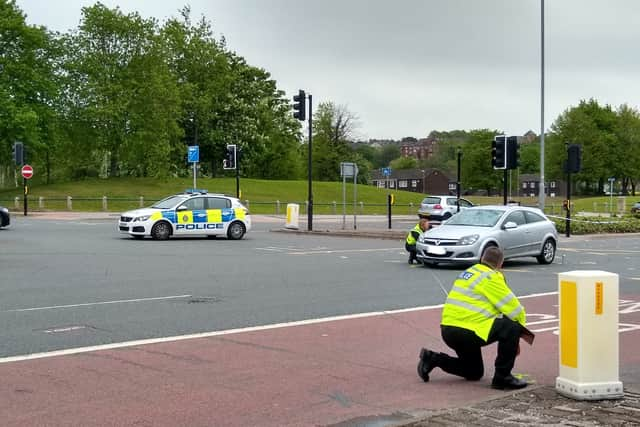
x: 260, y: 195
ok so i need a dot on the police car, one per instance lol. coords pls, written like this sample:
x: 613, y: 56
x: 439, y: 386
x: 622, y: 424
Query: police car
x: 194, y: 212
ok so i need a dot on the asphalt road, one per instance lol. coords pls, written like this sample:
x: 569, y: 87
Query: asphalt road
x: 68, y: 284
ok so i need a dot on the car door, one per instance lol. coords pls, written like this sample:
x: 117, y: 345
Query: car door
x: 191, y: 217
x: 514, y: 240
x: 218, y: 215
x: 538, y: 228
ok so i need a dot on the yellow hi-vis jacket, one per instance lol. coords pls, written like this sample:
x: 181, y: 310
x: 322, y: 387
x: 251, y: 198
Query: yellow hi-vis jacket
x: 480, y: 295
x: 411, y: 237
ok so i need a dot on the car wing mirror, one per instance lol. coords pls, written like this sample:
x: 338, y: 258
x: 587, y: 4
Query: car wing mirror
x: 510, y: 225
x: 181, y: 208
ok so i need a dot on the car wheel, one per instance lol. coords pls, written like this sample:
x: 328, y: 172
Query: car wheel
x: 161, y: 230
x: 548, y: 252
x: 235, y: 231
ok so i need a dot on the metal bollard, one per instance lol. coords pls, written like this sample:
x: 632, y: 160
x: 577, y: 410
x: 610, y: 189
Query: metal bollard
x: 141, y: 202
x: 41, y: 202
x: 17, y: 203
x: 277, y: 207
x: 104, y: 203
x: 69, y: 203
x: 334, y: 207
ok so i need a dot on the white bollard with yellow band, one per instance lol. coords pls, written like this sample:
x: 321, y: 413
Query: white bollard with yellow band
x: 588, y: 343
x: 293, y: 210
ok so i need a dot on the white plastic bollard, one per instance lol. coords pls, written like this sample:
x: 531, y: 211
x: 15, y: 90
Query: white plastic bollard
x: 293, y: 211
x: 588, y: 342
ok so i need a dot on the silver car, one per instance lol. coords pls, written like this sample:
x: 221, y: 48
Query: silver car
x: 519, y: 231
x: 441, y: 208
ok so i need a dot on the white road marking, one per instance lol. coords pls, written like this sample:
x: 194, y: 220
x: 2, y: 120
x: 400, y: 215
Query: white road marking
x: 54, y: 307
x: 338, y: 251
x: 225, y: 332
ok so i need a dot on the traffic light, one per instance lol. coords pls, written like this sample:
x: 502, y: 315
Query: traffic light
x: 18, y: 153
x: 498, y: 152
x: 300, y: 106
x: 513, y: 152
x: 231, y: 157
x: 574, y: 156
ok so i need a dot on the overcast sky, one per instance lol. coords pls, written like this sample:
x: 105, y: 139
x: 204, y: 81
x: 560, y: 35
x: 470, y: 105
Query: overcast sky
x: 406, y: 67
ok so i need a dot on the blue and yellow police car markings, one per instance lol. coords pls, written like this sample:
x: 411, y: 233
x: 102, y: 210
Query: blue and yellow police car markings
x: 214, y: 215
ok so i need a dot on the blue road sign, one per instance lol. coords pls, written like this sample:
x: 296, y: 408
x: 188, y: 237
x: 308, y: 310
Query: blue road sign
x: 386, y: 171
x: 193, y: 154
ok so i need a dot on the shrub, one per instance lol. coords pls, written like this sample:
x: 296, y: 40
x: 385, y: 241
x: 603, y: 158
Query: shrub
x: 597, y: 225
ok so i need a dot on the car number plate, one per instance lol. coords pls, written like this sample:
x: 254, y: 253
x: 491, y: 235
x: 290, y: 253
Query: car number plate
x: 436, y: 250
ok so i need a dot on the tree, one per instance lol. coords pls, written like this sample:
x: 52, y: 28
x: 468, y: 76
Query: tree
x: 477, y: 171
x: 333, y: 128
x: 404, y: 163
x: 121, y: 95
x: 388, y: 153
x: 27, y: 86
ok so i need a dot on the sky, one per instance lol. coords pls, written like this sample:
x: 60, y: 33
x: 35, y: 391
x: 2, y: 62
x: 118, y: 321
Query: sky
x: 407, y: 67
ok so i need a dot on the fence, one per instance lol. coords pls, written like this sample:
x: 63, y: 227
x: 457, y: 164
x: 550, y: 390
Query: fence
x: 277, y: 207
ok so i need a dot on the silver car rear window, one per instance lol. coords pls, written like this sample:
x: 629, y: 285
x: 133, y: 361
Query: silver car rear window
x: 431, y: 201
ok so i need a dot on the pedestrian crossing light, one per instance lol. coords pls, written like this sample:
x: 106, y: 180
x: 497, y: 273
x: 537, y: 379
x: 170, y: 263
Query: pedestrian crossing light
x: 498, y: 152
x: 300, y: 106
x: 230, y: 162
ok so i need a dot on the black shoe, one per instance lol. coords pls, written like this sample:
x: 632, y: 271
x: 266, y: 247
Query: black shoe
x: 410, y: 261
x: 508, y: 383
x: 426, y: 364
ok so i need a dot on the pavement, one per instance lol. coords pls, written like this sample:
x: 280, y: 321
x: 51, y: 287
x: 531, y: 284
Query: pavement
x: 309, y: 374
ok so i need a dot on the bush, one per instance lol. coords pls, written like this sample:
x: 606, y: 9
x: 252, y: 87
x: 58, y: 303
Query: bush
x: 597, y: 225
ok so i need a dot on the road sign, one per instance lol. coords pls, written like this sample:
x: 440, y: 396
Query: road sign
x: 193, y: 154
x: 386, y: 172
x: 27, y: 171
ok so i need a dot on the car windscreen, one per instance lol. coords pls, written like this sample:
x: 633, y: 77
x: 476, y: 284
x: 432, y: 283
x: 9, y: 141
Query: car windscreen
x: 476, y: 217
x: 169, y: 202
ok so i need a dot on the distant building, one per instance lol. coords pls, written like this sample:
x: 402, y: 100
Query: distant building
x: 420, y: 149
x: 425, y: 181
x: 530, y: 187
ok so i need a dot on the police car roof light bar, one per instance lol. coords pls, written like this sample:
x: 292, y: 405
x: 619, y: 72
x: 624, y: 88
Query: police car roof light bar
x: 195, y: 191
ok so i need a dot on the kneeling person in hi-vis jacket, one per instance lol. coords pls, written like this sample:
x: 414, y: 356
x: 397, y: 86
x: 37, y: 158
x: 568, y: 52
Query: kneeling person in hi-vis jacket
x: 480, y: 309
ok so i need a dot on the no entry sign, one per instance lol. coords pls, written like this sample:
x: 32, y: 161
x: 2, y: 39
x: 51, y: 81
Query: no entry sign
x: 27, y: 171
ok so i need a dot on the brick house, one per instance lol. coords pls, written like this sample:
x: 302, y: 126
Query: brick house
x: 425, y: 181
x: 530, y: 187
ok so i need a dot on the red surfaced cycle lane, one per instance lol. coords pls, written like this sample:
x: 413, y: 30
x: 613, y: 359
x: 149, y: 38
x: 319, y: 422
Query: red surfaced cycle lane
x: 302, y: 375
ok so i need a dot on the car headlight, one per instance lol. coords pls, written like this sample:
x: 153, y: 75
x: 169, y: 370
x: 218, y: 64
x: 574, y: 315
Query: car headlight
x: 141, y: 218
x: 469, y: 240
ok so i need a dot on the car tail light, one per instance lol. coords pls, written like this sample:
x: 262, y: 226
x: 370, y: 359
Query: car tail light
x: 437, y: 207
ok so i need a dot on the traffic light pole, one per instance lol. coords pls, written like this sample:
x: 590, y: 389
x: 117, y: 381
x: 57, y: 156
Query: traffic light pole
x: 504, y: 187
x: 458, y: 182
x: 237, y: 174
x: 567, y: 222
x: 310, y: 197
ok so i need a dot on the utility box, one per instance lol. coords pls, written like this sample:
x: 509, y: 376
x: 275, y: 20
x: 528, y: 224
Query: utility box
x: 588, y: 341
x: 293, y: 212
x: 622, y: 205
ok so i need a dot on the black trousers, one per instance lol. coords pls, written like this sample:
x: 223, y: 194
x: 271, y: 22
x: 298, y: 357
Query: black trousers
x: 468, y: 348
x: 412, y: 251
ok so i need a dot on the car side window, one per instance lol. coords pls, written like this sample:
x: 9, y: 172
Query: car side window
x: 517, y: 217
x: 465, y: 203
x: 532, y: 217
x: 194, y: 204
x: 218, y: 203
x: 452, y: 202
